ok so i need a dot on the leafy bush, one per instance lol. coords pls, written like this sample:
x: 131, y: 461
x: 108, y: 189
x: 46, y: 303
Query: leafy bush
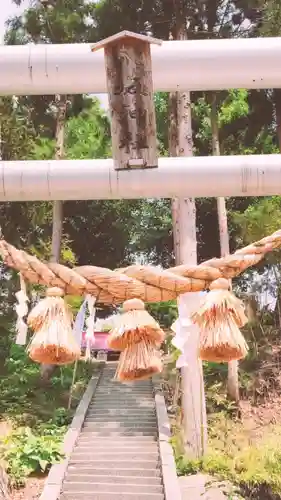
x: 254, y: 467
x: 24, y: 400
x: 40, y: 413
x: 25, y: 452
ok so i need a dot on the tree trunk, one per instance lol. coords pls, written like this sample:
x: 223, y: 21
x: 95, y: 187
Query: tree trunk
x: 185, y: 245
x: 1, y: 142
x: 57, y: 231
x: 277, y: 101
x: 61, y: 102
x: 4, y: 484
x: 232, y: 379
x: 58, y: 205
x: 173, y: 151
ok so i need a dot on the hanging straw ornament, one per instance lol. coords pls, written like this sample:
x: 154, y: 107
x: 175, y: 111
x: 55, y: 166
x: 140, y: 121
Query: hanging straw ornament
x: 53, y: 341
x: 90, y: 323
x: 134, y: 324
x: 139, y: 336
x: 138, y: 362
x: 21, y: 310
x: 219, y: 319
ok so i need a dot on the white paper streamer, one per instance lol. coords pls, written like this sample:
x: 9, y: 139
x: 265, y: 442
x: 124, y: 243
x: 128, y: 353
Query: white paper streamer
x: 90, y: 324
x: 79, y: 323
x: 185, y: 330
x: 21, y: 310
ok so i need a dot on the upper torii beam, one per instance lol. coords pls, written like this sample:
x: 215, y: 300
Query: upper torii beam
x: 251, y: 63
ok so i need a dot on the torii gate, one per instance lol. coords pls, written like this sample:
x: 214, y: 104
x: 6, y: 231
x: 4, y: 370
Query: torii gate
x: 135, y: 171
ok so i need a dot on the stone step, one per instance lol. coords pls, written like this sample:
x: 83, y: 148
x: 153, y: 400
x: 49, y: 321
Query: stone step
x: 120, y: 418
x: 102, y: 417
x: 114, y: 452
x: 123, y: 464
x: 129, y: 397
x: 121, y: 433
x: 121, y: 411
x: 115, y: 455
x: 117, y: 388
x: 109, y: 381
x: 109, y: 376
x: 134, y: 401
x: 120, y: 390
x: 107, y: 440
x: 70, y: 486
x: 119, y: 472
x: 123, y: 394
x: 113, y: 407
x: 111, y: 373
x: 111, y: 496
x: 123, y: 390
x: 89, y: 478
x: 125, y: 424
x: 109, y: 386
x: 117, y: 446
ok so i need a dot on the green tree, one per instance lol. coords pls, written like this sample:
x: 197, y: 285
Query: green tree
x: 17, y: 133
x: 108, y: 227
x: 48, y: 22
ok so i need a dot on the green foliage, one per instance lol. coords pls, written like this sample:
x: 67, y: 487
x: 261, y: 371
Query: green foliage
x: 24, y: 401
x: 88, y: 134
x: 162, y: 121
x: 235, y: 106
x: 39, y: 414
x: 17, y: 132
x: 271, y: 25
x: 254, y: 468
x: 26, y: 452
x: 62, y: 22
x: 164, y: 312
x: 259, y: 219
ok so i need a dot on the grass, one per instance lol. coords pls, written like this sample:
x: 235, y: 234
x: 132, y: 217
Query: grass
x: 252, y: 463
x: 36, y: 415
x: 24, y: 400
x: 241, y: 449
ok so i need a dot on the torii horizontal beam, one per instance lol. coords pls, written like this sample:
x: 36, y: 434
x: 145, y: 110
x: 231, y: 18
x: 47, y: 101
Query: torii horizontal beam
x: 250, y: 175
x: 192, y: 65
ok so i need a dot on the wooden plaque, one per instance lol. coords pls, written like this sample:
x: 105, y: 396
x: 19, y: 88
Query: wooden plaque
x: 130, y: 90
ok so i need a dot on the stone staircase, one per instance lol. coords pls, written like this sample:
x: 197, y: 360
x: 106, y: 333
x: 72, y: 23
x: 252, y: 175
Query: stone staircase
x: 116, y: 456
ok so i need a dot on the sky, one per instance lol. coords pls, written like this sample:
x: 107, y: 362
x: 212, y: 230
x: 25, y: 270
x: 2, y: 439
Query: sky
x: 8, y: 9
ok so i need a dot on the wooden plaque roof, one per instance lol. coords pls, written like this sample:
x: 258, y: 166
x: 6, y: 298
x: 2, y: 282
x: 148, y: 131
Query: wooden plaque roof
x: 124, y: 34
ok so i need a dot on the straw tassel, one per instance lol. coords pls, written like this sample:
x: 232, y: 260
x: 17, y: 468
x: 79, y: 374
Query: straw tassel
x: 53, y: 342
x: 138, y: 362
x: 219, y: 318
x: 21, y: 310
x: 139, y: 336
x: 134, y: 324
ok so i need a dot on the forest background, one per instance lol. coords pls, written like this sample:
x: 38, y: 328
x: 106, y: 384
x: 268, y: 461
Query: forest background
x: 126, y: 231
